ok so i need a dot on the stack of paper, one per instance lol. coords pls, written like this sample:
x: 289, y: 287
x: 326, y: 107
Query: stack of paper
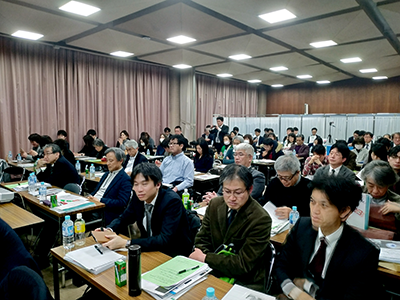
x: 70, y: 202
x: 278, y: 225
x: 390, y: 250
x: 173, y: 278
x: 90, y: 258
x: 238, y: 292
x: 206, y: 177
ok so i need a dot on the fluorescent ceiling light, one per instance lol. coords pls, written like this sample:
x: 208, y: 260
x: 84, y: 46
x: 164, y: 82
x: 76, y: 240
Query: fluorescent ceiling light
x: 121, y: 53
x: 350, y: 60
x: 277, y: 85
x: 254, y: 80
x: 224, y: 75
x: 240, y: 56
x: 277, y: 16
x: 181, y: 39
x: 27, y: 35
x: 323, y: 81
x: 372, y: 70
x: 182, y: 66
x: 79, y: 8
x: 304, y: 76
x: 379, y: 77
x: 323, y: 44
x: 281, y: 68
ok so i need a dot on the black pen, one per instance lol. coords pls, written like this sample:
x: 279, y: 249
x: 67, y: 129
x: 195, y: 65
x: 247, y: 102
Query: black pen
x: 185, y: 270
x: 98, y: 249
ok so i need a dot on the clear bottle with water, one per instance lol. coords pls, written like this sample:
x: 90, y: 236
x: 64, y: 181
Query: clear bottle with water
x: 9, y: 156
x: 80, y: 229
x: 86, y: 171
x: 185, y: 197
x: 19, y: 158
x: 68, y: 233
x: 293, y: 216
x: 78, y: 167
x: 42, y: 192
x: 210, y: 294
x: 148, y: 152
x: 294, y: 152
x: 31, y: 183
x: 92, y: 172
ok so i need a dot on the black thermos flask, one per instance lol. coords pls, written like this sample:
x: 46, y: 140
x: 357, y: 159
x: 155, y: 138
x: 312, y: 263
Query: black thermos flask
x: 134, y: 270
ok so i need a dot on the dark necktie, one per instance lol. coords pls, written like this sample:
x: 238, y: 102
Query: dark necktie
x: 148, y: 209
x: 367, y: 146
x: 333, y: 172
x: 317, y: 264
x: 231, y: 216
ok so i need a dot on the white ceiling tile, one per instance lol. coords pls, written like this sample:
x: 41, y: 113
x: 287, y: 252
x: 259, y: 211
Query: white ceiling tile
x: 289, y: 60
x: 391, y: 13
x: 283, y: 80
x: 262, y: 75
x: 226, y: 67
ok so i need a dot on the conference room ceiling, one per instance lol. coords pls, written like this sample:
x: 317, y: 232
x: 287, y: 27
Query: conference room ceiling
x: 368, y: 29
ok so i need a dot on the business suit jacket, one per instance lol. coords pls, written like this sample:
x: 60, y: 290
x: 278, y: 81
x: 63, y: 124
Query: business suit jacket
x: 140, y: 158
x: 169, y: 224
x: 342, y: 172
x: 117, y: 195
x: 261, y: 141
x: 249, y: 232
x: 224, y: 130
x: 62, y: 173
x: 210, y: 136
x: 352, y: 271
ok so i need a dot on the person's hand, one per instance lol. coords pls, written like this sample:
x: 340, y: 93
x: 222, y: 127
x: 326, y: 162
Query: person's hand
x: 208, y: 196
x: 93, y: 198
x: 175, y: 189
x: 390, y: 207
x: 283, y: 212
x: 198, y: 255
x: 120, y: 141
x: 23, y: 153
x: 33, y: 152
x: 304, y: 296
x: 115, y: 242
x: 158, y: 163
x: 299, y: 282
x: 41, y: 163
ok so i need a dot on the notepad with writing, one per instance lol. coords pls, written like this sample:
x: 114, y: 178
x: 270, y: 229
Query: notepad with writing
x: 90, y: 258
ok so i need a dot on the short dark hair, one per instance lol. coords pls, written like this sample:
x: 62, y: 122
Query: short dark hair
x: 268, y: 142
x: 249, y: 137
x: 356, y: 132
x: 319, y: 149
x: 91, y: 132
x: 358, y: 140
x: 148, y: 171
x: 295, y: 129
x: 319, y: 141
x: 393, y: 152
x: 257, y: 130
x: 54, y: 148
x: 266, y: 129
x: 62, y: 132
x: 124, y: 132
x: 165, y: 142
x: 342, y: 191
x: 385, y: 141
x: 235, y: 128
x: 220, y: 118
x: 342, y: 148
x: 35, y: 137
x: 62, y: 144
x: 88, y: 140
x: 234, y: 171
x: 272, y: 134
x: 179, y: 138
x: 290, y: 128
x: 292, y: 135
x: 370, y: 134
x: 167, y: 129
x: 177, y: 126
x: 362, y: 132
x: 395, y: 133
x: 314, y: 128
x: 300, y: 136
x: 46, y: 140
x: 229, y: 137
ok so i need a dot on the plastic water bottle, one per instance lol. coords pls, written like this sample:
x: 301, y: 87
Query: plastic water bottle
x: 9, y: 156
x: 42, y: 192
x: 185, y: 197
x: 31, y: 183
x: 19, y: 158
x: 78, y: 167
x: 293, y: 216
x: 294, y: 152
x: 210, y: 294
x: 68, y: 233
x: 80, y: 229
x: 92, y: 172
x: 35, y: 164
x: 86, y: 172
x: 148, y: 152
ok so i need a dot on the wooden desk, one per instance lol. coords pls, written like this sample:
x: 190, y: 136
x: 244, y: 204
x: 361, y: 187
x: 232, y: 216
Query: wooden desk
x: 22, y: 165
x: 17, y: 217
x: 105, y: 281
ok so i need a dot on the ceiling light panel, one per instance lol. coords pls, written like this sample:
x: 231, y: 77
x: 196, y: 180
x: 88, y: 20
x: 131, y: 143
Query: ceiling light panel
x: 79, y: 8
x: 350, y: 60
x: 306, y: 76
x: 278, y: 16
x: 182, y: 66
x: 254, y: 80
x: 181, y: 39
x: 371, y: 70
x: 122, y: 54
x: 323, y: 81
x: 240, y: 56
x: 277, y: 85
x: 323, y: 44
x: 224, y: 75
x: 276, y: 69
x: 27, y: 35
x: 379, y: 77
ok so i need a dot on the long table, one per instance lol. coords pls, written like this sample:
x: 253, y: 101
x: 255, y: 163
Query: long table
x: 18, y: 217
x: 105, y: 281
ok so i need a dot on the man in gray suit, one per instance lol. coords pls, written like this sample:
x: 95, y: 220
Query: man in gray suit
x: 337, y: 156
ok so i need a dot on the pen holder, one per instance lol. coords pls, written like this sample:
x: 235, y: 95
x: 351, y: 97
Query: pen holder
x: 134, y: 270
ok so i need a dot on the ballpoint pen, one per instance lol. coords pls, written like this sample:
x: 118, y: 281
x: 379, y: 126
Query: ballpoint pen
x: 185, y: 270
x: 98, y: 249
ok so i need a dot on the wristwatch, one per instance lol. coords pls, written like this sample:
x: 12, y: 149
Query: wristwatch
x: 128, y: 243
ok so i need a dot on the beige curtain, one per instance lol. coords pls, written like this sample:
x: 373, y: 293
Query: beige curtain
x: 43, y: 90
x: 223, y: 97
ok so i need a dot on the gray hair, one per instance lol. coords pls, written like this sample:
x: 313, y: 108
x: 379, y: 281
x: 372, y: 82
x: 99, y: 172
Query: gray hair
x: 380, y: 172
x: 98, y: 142
x: 238, y: 137
x: 54, y: 148
x: 119, y: 154
x: 131, y: 144
x: 287, y: 162
x: 245, y: 147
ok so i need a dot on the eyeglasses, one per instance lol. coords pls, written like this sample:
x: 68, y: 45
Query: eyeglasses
x: 236, y: 193
x: 394, y: 157
x: 239, y: 154
x: 335, y: 154
x: 48, y: 153
x: 171, y: 144
x: 286, y: 178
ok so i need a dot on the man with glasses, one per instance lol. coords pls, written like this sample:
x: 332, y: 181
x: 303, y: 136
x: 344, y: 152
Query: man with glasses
x: 238, y: 219
x: 337, y: 156
x: 394, y: 161
x: 133, y: 158
x: 288, y: 188
x: 59, y: 171
x: 243, y: 156
x: 177, y: 169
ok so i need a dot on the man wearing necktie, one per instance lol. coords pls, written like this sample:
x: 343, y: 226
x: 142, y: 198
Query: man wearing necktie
x: 323, y: 257
x: 159, y: 214
x: 238, y: 219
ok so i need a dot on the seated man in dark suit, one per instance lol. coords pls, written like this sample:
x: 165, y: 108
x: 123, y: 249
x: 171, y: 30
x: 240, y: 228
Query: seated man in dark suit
x: 59, y: 171
x: 288, y: 188
x: 219, y: 131
x: 159, y: 214
x: 133, y: 158
x: 207, y: 136
x: 114, y: 188
x: 337, y: 156
x: 235, y: 218
x: 323, y: 257
x: 258, y: 140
